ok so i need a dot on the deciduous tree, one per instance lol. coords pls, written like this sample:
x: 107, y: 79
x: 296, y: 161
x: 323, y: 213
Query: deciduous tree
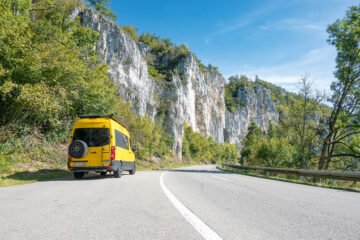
x: 344, y: 121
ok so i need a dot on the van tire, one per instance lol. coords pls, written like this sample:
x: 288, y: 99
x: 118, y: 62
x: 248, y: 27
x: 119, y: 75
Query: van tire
x: 133, y: 170
x: 118, y: 172
x: 78, y: 149
x: 78, y: 175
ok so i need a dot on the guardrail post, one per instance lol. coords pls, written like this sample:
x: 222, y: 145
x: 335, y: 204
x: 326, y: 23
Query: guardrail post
x: 267, y: 174
x: 257, y: 172
x: 302, y: 178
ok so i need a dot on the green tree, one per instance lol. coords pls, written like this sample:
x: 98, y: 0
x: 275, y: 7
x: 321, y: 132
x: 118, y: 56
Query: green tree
x: 344, y: 121
x: 253, y: 135
x: 301, y: 121
x: 274, y: 152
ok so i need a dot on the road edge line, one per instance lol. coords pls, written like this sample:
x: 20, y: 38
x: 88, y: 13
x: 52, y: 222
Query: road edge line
x: 196, y: 222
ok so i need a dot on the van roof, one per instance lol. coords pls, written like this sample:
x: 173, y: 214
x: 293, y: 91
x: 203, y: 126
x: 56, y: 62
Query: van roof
x: 112, y: 116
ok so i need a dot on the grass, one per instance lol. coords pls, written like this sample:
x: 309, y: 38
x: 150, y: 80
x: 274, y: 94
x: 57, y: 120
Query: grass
x: 24, y: 177
x: 19, y: 170
x: 326, y: 183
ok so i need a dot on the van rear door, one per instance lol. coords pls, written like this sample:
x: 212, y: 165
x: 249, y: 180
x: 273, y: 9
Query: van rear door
x: 98, y: 141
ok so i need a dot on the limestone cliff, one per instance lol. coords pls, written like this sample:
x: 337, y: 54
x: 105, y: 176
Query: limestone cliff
x: 195, y: 95
x: 258, y: 108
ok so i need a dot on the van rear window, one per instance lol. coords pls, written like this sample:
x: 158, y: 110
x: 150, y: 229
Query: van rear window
x: 94, y: 137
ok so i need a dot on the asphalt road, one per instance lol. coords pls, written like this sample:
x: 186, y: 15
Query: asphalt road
x: 137, y: 207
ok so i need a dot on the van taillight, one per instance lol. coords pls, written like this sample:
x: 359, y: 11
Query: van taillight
x: 112, y: 155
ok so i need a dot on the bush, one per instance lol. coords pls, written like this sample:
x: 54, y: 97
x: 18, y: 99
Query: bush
x: 198, y: 148
x: 132, y: 31
x: 166, y: 54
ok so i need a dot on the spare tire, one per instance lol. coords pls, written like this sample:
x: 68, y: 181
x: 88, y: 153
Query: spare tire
x: 78, y: 149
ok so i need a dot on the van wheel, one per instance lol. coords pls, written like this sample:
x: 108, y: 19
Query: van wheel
x: 118, y: 173
x: 78, y: 175
x: 133, y: 170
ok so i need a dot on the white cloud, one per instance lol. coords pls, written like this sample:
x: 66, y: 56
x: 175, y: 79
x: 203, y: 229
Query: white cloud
x: 294, y: 24
x: 207, y: 41
x: 320, y: 63
x: 246, y: 19
x: 263, y: 27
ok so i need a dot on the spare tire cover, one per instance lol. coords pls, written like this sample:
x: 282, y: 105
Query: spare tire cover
x: 78, y: 149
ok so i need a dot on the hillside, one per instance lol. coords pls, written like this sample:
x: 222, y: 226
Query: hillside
x: 66, y: 60
x: 50, y: 73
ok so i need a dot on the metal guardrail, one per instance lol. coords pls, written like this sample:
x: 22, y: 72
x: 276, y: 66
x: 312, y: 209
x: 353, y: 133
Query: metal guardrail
x: 339, y: 175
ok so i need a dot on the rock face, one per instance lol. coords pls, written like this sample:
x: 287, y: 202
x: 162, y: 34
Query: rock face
x: 258, y: 108
x: 125, y: 59
x: 194, y: 96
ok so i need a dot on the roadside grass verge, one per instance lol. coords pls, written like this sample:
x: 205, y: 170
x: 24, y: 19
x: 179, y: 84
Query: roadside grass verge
x: 326, y: 183
x: 22, y: 170
x: 31, y: 177
x: 31, y: 159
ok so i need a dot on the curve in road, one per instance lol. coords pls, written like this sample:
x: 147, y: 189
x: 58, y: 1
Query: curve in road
x: 135, y: 207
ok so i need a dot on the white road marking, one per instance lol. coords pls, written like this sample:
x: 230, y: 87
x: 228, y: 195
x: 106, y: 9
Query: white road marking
x: 221, y: 178
x: 199, y: 225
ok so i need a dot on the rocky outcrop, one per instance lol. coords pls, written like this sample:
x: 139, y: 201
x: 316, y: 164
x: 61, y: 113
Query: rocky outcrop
x: 195, y: 95
x: 257, y: 107
x: 124, y: 57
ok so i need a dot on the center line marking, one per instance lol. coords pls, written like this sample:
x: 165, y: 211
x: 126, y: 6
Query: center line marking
x: 196, y: 222
x: 221, y: 178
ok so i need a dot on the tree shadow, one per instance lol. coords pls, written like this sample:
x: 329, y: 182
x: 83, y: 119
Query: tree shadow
x: 54, y: 175
x: 39, y: 175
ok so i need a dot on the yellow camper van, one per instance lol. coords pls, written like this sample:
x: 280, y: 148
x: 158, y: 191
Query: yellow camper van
x: 100, y: 144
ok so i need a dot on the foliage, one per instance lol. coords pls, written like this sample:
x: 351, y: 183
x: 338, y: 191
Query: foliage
x: 165, y: 55
x: 209, y: 68
x: 271, y: 149
x: 132, y: 31
x: 278, y: 95
x: 151, y: 138
x: 49, y: 74
x: 301, y: 122
x: 344, y: 122
x: 154, y: 72
x: 198, y: 148
x: 232, y: 101
x: 102, y: 6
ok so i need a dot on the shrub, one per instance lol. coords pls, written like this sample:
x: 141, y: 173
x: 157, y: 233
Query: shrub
x: 132, y: 31
x: 198, y: 148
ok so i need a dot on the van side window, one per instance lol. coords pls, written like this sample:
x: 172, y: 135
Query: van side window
x: 121, y: 140
x: 126, y: 146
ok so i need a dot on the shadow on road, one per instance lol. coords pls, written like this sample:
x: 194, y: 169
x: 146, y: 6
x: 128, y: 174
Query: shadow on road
x: 39, y: 175
x: 53, y: 175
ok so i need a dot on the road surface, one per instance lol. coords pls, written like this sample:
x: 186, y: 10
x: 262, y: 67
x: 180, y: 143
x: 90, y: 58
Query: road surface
x: 142, y: 206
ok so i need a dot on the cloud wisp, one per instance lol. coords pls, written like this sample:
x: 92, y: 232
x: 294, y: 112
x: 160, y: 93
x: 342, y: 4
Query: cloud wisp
x: 287, y: 75
x: 293, y: 24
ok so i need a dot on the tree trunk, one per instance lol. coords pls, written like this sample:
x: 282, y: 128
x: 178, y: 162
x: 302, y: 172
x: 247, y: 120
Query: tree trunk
x: 323, y: 152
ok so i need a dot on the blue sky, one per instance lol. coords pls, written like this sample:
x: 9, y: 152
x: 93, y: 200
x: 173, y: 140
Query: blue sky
x: 277, y: 40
